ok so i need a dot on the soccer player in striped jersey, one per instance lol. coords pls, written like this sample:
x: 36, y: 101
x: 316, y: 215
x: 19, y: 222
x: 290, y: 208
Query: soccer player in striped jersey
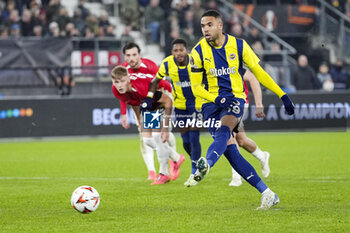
x: 187, y: 106
x: 217, y: 62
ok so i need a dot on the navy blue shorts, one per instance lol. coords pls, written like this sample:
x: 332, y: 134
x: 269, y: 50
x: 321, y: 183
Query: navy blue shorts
x: 213, y: 111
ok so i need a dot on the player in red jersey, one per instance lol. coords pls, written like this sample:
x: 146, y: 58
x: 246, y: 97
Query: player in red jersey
x: 143, y: 68
x: 132, y: 90
x: 241, y: 137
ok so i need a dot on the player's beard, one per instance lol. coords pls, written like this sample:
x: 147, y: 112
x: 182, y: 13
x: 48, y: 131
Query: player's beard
x: 132, y: 64
x: 180, y: 59
x: 135, y: 64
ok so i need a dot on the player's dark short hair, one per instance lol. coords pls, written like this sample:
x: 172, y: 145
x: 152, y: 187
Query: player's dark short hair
x: 131, y: 45
x: 179, y: 41
x: 212, y: 13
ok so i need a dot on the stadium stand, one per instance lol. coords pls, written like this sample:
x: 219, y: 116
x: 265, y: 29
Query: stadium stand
x: 95, y: 32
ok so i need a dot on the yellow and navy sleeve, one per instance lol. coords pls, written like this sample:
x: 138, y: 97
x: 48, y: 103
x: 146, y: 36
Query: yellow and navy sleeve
x: 198, y: 73
x: 249, y: 57
x: 163, y: 70
x: 252, y: 62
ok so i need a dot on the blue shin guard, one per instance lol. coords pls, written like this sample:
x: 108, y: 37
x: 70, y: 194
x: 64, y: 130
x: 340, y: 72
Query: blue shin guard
x: 196, y: 149
x: 244, y: 168
x: 217, y: 148
x: 186, y: 142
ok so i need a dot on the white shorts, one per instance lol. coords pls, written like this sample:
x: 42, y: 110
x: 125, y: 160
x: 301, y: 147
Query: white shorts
x: 241, y: 124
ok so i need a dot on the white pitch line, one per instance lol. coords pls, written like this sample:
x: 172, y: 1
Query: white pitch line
x: 115, y: 179
x: 328, y: 180
x: 71, y: 178
x: 22, y: 178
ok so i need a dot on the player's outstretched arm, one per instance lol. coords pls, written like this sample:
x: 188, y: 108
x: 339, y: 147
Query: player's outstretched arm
x: 265, y: 79
x: 252, y: 61
x: 255, y: 86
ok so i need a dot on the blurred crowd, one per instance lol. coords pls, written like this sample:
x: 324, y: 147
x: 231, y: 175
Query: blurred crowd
x: 49, y: 18
x: 170, y: 19
x: 327, y: 78
x: 163, y: 21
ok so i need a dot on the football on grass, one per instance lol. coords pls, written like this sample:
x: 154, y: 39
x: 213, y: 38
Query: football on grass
x: 85, y: 199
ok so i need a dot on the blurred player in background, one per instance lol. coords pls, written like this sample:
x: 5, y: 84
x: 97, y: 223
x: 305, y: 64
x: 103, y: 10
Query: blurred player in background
x: 217, y: 62
x: 132, y: 90
x: 142, y: 68
x: 187, y: 106
x: 241, y: 137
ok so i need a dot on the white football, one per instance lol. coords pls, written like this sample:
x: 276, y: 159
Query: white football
x: 85, y: 199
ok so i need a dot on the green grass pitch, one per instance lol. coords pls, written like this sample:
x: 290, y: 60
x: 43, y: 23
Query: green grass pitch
x: 309, y: 171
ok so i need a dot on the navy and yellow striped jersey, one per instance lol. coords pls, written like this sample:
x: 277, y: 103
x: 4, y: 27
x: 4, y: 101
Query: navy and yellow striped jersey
x: 221, y: 69
x: 180, y: 80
